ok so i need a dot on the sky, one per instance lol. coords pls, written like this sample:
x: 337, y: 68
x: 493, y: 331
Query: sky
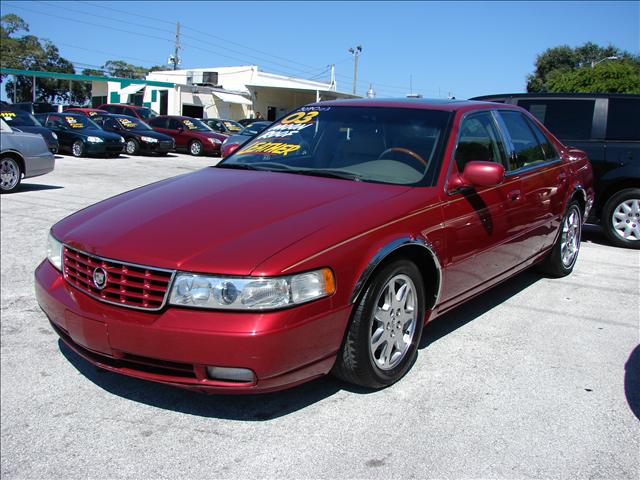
x: 436, y: 49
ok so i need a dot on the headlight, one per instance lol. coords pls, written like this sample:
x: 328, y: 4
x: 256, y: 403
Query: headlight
x: 54, y: 135
x: 54, y: 252
x: 250, y: 293
x: 94, y: 139
x: 215, y: 141
x: 149, y: 139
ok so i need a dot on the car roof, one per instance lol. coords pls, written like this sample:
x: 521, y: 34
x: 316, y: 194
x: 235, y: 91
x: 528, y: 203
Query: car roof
x: 116, y: 115
x: 81, y: 109
x: 449, y: 105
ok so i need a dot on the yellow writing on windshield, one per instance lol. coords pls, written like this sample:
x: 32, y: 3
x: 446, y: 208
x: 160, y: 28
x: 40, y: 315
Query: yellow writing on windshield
x: 274, y: 148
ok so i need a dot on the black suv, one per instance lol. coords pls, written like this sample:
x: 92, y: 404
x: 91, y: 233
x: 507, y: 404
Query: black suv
x: 607, y: 127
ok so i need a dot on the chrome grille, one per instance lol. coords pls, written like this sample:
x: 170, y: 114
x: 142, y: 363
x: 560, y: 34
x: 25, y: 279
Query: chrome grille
x: 129, y: 285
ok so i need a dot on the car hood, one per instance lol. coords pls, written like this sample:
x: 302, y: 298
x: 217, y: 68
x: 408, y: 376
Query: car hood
x: 45, y: 132
x: 237, y: 139
x: 217, y: 220
x: 149, y: 133
x: 103, y: 134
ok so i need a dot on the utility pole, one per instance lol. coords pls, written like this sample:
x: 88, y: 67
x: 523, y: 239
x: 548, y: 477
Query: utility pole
x: 333, y: 77
x: 356, y: 54
x: 175, y: 59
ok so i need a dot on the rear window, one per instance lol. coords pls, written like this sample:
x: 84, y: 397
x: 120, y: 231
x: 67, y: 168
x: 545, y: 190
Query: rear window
x: 623, y: 119
x: 566, y: 119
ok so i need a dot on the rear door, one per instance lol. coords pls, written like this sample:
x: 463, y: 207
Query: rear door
x: 537, y: 166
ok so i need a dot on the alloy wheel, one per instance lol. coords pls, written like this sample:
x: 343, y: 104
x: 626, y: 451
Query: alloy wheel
x: 570, y: 242
x: 9, y: 174
x: 394, y: 322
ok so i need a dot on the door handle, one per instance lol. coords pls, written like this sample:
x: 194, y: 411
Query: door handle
x: 562, y: 178
x: 515, y: 195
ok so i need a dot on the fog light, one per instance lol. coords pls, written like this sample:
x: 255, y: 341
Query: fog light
x: 243, y: 375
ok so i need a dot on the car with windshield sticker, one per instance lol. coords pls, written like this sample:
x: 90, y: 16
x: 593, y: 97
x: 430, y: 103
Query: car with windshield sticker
x: 143, y: 113
x: 322, y: 245
x: 138, y: 136
x: 80, y: 136
x: 234, y: 141
x: 190, y: 134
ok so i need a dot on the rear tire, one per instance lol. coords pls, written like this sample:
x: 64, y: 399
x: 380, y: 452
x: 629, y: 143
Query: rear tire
x: 382, y: 338
x: 621, y: 218
x: 564, y: 254
x: 10, y: 175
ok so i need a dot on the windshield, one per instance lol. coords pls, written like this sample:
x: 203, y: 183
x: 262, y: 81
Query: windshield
x: 131, y: 123
x: 193, y: 125
x: 73, y: 122
x: 253, y: 129
x: 146, y: 113
x: 388, y: 145
x: 19, y: 119
x: 232, y: 126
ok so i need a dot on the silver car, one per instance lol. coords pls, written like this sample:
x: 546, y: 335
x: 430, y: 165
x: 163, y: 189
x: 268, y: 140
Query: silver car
x: 22, y: 155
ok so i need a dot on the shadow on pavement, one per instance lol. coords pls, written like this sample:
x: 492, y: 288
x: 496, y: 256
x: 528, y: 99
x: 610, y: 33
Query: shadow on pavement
x: 472, y: 309
x: 593, y: 234
x: 33, y: 187
x: 273, y: 405
x: 259, y: 407
x: 632, y: 381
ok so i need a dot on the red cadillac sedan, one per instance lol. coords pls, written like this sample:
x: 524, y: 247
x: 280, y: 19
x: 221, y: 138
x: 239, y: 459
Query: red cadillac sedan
x: 322, y: 245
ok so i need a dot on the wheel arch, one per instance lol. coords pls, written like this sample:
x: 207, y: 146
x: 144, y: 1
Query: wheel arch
x: 17, y: 157
x: 613, y: 188
x: 420, y: 252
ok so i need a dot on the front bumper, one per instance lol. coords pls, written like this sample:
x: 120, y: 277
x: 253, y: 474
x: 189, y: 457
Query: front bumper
x: 159, y: 147
x: 103, y: 148
x: 174, y: 346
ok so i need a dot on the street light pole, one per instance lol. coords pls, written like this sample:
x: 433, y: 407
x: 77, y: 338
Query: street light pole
x: 612, y: 57
x: 356, y: 54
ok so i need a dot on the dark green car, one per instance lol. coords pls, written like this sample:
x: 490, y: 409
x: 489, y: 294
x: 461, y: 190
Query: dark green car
x: 80, y: 136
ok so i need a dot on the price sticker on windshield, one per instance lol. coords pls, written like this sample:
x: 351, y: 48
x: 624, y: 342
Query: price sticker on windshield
x: 125, y: 122
x: 73, y: 122
x: 273, y: 148
x: 299, y: 118
x: 8, y: 115
x: 189, y: 124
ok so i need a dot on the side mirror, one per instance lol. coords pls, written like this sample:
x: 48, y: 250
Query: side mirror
x: 477, y: 174
x: 180, y: 129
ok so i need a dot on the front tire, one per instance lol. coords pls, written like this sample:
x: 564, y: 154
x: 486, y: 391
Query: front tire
x: 10, y: 175
x: 381, y: 342
x: 621, y: 218
x: 77, y: 149
x: 195, y: 148
x: 132, y: 147
x: 564, y: 254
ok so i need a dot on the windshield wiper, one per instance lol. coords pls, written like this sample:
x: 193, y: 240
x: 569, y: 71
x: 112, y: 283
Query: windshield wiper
x: 328, y: 173
x: 238, y: 166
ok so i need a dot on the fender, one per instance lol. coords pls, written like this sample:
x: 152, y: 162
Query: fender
x: 387, y: 250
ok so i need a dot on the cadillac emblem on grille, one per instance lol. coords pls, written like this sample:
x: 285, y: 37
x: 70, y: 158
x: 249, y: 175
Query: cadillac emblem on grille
x: 100, y: 278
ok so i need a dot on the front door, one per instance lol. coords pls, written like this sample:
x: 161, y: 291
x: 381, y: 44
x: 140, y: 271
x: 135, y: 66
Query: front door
x: 482, y: 224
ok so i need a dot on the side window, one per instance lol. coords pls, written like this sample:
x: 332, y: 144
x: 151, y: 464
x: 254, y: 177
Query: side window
x: 623, y: 119
x: 111, y: 124
x: 479, y: 139
x: 174, y: 124
x: 527, y: 150
x: 548, y: 149
x: 566, y: 119
x: 158, y: 122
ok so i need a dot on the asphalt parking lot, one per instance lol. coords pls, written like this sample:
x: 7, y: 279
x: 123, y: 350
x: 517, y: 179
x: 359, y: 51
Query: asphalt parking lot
x: 538, y: 378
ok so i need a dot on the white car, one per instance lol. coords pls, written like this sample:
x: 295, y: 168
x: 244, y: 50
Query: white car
x: 22, y: 155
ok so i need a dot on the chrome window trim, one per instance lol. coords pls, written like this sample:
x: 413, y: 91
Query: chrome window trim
x: 463, y: 117
x: 384, y: 252
x: 143, y: 309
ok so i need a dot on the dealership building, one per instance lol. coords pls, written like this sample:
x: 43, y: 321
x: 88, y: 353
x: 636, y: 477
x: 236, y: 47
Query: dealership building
x: 217, y: 92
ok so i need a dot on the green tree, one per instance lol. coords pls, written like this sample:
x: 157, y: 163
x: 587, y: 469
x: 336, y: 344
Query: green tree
x: 28, y: 52
x: 607, y: 77
x: 562, y: 60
